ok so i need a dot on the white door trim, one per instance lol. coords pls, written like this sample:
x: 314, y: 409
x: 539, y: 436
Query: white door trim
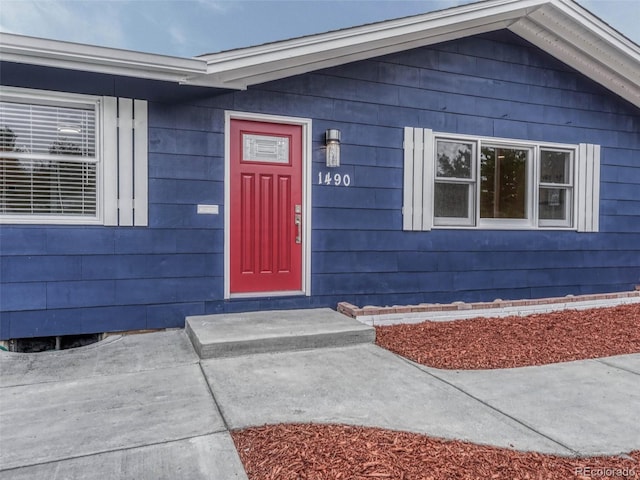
x: 305, y: 123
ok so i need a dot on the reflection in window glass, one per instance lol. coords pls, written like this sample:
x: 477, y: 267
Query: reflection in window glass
x: 503, y: 187
x: 454, y: 159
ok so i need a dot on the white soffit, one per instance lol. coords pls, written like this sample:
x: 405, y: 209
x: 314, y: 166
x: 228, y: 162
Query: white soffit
x: 595, y: 50
x: 89, y: 58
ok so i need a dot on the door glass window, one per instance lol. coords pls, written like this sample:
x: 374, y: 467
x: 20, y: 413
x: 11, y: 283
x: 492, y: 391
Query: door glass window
x: 265, y: 148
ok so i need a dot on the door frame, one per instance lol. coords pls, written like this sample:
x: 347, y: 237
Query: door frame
x: 305, y: 123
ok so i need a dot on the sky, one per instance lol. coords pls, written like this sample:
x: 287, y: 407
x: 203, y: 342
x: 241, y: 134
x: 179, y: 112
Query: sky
x: 187, y: 28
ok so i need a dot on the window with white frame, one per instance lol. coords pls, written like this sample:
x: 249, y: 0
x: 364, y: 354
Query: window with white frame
x: 454, y: 189
x: 48, y: 161
x: 461, y: 181
x: 72, y: 159
x: 555, y: 194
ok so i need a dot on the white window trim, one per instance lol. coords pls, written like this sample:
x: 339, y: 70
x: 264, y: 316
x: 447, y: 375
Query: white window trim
x: 582, y: 208
x: 569, y: 223
x: 532, y: 221
x: 43, y: 97
x: 121, y: 156
x: 471, y: 182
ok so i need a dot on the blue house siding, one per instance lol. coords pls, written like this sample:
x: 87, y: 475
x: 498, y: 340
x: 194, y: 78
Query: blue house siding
x: 493, y: 85
x: 59, y: 280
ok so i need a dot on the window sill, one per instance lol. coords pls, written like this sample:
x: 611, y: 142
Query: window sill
x: 48, y: 220
x: 501, y: 227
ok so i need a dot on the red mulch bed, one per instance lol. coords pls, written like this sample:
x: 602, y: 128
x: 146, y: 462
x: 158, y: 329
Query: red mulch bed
x: 507, y: 342
x: 335, y: 452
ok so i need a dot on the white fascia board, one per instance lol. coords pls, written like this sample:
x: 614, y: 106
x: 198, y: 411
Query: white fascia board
x: 384, y: 29
x: 356, y: 43
x: 560, y: 27
x: 54, y: 53
x: 257, y: 74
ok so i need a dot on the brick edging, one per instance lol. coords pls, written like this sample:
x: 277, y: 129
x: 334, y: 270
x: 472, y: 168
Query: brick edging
x: 354, y: 311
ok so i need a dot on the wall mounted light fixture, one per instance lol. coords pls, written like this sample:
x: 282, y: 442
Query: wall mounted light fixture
x: 332, y: 141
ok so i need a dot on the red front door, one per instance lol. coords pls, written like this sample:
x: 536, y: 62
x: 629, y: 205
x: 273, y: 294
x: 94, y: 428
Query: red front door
x: 266, y: 207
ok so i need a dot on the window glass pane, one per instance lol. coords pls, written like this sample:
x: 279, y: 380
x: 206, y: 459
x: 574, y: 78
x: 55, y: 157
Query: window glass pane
x: 555, y: 167
x: 53, y: 188
x: 503, y: 188
x: 553, y: 204
x: 47, y: 160
x: 45, y: 129
x: 454, y: 159
x: 451, y: 200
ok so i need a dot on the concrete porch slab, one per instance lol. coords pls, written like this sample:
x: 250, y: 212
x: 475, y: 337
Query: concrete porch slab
x: 228, y: 335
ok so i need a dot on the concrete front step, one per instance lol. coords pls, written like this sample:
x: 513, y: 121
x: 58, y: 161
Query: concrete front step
x: 228, y: 335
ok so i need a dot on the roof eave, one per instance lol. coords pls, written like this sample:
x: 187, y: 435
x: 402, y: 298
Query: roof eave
x: 560, y: 27
x: 89, y: 58
x: 278, y: 68
x: 253, y: 65
x: 580, y: 40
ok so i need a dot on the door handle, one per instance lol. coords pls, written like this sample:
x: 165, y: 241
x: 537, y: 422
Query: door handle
x: 297, y: 220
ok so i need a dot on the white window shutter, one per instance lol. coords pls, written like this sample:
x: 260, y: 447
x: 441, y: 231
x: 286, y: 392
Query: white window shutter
x: 140, y: 163
x: 125, y: 161
x: 588, y: 188
x: 417, y: 209
x: 407, y: 200
x: 427, y: 179
x: 110, y: 160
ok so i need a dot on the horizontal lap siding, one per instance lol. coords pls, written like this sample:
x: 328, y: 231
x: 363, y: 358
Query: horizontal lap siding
x: 487, y: 86
x: 62, y: 280
x: 67, y: 280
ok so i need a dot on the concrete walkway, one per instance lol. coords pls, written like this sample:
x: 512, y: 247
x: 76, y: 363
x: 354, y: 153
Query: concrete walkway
x: 146, y: 407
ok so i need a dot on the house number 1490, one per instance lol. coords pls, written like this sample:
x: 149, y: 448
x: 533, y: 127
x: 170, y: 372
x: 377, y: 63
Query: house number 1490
x: 335, y: 179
